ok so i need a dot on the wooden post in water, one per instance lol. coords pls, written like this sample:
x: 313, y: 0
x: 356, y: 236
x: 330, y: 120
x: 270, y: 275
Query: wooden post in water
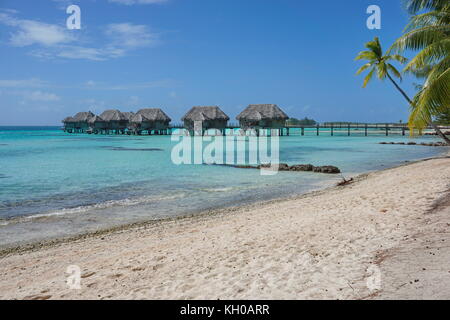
x: 317, y: 130
x: 387, y: 131
x: 349, y: 130
x: 403, y: 131
x: 332, y: 132
x: 303, y: 131
x: 365, y: 130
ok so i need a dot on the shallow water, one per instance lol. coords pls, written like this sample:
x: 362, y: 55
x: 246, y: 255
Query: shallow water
x: 55, y: 184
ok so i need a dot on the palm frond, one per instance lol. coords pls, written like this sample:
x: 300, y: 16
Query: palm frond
x: 433, y: 99
x: 366, y: 55
x: 368, y: 77
x: 397, y: 57
x: 430, y: 55
x: 382, y: 70
x: 435, y: 18
x: 394, y: 71
x: 364, y: 67
x: 375, y: 47
x: 420, y: 38
x: 414, y: 6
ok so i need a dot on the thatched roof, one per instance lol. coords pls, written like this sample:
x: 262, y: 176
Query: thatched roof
x: 205, y: 113
x: 154, y: 114
x: 257, y: 112
x: 129, y: 115
x: 69, y: 119
x: 113, y: 115
x: 83, y: 116
x: 95, y: 119
x: 138, y: 118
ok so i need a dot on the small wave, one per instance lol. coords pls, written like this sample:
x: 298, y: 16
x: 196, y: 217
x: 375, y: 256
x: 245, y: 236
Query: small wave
x: 98, y: 206
x: 225, y: 189
x: 132, y: 149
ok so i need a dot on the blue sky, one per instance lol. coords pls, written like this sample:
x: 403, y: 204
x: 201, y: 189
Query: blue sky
x: 175, y: 54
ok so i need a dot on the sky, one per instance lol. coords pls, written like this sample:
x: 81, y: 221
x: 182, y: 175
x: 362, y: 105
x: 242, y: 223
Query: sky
x: 175, y: 54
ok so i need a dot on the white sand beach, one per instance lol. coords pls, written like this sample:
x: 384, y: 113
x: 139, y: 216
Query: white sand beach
x: 389, y: 229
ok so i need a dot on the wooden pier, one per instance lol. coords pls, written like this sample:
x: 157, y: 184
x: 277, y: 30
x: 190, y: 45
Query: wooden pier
x: 316, y: 130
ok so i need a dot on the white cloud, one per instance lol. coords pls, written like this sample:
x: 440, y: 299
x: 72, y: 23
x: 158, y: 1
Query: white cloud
x: 128, y: 35
x: 53, y: 41
x: 26, y: 83
x: 77, y: 52
x: 94, y: 105
x: 91, y: 83
x: 34, y: 83
x: 41, y: 96
x: 131, y: 2
x: 133, y: 101
x: 29, y: 32
x: 143, y: 85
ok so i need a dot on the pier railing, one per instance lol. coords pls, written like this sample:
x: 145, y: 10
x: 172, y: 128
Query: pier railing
x: 332, y: 129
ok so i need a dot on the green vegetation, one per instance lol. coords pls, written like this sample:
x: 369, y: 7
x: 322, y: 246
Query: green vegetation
x: 302, y: 122
x: 429, y: 33
x: 443, y: 119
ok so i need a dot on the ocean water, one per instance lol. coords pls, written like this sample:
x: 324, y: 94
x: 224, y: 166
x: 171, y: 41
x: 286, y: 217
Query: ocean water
x: 55, y: 184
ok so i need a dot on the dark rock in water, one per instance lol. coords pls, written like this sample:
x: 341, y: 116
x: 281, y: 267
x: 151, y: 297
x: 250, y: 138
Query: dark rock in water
x: 281, y: 166
x: 412, y: 143
x: 285, y: 167
x: 302, y: 167
x: 401, y: 143
x: 241, y: 166
x: 383, y: 143
x: 327, y: 169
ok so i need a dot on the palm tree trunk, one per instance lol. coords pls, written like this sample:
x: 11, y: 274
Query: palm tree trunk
x: 438, y: 131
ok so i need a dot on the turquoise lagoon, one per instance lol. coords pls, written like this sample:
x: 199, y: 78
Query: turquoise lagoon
x: 55, y: 184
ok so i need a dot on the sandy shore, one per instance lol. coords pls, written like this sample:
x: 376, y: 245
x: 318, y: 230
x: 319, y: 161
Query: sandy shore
x: 384, y: 236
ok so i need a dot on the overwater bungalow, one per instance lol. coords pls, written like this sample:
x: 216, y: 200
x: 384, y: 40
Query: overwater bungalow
x: 199, y: 119
x: 263, y: 116
x: 81, y: 121
x: 115, y: 120
x: 69, y: 124
x: 152, y: 120
x: 97, y: 124
x: 128, y: 115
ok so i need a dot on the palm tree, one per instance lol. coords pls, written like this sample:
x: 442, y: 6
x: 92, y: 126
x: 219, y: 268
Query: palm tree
x: 379, y: 64
x: 429, y: 33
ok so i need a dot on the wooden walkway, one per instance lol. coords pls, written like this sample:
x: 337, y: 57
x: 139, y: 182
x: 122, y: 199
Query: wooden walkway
x: 317, y: 130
